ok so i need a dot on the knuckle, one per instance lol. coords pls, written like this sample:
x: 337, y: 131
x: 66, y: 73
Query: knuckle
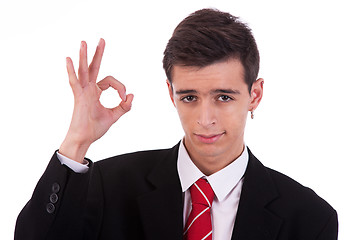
x: 82, y: 72
x: 94, y: 67
x: 72, y: 82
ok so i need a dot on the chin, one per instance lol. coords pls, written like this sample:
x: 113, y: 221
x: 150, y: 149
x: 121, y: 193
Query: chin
x: 209, y: 150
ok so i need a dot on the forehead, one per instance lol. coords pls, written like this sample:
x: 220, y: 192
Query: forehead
x: 229, y: 73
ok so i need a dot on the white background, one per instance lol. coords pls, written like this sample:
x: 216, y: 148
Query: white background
x: 307, y: 125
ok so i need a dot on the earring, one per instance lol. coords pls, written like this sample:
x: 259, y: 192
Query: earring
x: 252, y: 115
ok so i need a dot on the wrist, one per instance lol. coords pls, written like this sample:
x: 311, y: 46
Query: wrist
x: 73, y: 150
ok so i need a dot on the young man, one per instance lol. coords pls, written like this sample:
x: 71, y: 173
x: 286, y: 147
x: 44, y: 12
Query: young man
x: 208, y: 186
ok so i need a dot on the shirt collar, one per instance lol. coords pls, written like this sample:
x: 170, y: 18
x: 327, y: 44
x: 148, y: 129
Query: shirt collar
x: 222, y: 182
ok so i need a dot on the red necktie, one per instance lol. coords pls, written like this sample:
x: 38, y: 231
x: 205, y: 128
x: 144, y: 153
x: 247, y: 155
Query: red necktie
x: 198, y: 225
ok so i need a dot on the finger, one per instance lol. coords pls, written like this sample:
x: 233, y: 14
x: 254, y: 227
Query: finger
x: 83, y: 66
x: 71, y: 71
x: 72, y: 75
x: 110, y: 81
x: 123, y: 107
x: 96, y: 61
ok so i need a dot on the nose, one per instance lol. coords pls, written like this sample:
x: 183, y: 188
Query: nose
x: 206, y: 115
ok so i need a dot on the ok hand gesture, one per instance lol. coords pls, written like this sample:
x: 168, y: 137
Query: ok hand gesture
x: 90, y: 119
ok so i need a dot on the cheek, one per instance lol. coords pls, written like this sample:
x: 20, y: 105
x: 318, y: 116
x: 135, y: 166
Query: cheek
x: 234, y: 118
x: 185, y: 116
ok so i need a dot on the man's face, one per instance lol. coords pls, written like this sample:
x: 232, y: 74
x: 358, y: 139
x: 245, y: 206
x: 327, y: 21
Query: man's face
x: 213, y: 103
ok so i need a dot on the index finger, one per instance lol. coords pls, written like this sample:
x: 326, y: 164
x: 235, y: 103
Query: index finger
x: 96, y: 61
x: 110, y: 81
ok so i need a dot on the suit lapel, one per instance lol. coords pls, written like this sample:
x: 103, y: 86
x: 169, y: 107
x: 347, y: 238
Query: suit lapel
x: 253, y: 220
x: 161, y: 210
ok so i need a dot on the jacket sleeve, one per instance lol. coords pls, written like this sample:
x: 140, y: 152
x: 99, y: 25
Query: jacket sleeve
x: 330, y: 231
x: 57, y: 206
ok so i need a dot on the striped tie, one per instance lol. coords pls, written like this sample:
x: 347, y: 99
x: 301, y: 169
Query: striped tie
x: 198, y: 225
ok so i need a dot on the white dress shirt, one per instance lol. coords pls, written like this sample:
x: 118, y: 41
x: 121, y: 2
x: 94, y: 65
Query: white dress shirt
x: 226, y: 184
x: 72, y: 164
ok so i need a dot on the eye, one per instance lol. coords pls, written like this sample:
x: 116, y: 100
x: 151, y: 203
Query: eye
x: 225, y: 98
x: 188, y: 99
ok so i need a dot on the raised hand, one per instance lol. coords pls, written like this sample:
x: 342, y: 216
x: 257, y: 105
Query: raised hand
x: 90, y: 119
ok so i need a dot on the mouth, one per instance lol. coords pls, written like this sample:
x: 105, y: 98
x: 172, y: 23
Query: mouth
x: 209, y: 138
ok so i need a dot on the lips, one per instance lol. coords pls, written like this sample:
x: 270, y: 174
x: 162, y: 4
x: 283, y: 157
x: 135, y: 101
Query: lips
x: 209, y: 138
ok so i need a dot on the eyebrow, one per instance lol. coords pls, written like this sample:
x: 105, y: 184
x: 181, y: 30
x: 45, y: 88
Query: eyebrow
x: 186, y: 91
x: 228, y: 91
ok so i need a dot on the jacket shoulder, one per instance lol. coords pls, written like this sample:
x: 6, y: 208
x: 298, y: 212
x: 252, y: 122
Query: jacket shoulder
x: 303, y: 209
x: 136, y: 166
x: 135, y: 159
x: 293, y: 191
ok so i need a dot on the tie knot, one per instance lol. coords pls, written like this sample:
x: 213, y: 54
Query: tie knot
x: 202, y: 193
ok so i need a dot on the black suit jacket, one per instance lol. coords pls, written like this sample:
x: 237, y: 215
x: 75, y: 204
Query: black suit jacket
x: 138, y: 196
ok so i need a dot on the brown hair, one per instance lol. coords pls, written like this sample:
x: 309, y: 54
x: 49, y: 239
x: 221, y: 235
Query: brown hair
x: 208, y: 36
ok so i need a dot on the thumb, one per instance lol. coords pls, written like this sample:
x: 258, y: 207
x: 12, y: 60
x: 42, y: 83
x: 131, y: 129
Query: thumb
x: 123, y: 107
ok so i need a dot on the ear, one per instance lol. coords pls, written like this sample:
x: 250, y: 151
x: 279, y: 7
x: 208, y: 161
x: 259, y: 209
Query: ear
x: 256, y: 94
x: 171, y: 92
